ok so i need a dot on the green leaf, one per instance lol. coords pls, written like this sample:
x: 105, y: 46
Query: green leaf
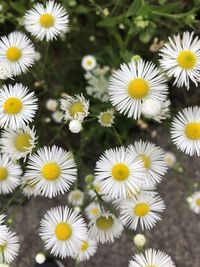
x: 19, y: 7
x: 110, y: 22
x: 82, y: 9
x: 134, y: 7
x: 167, y: 8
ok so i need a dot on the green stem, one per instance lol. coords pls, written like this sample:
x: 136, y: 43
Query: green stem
x: 117, y: 136
x: 11, y: 200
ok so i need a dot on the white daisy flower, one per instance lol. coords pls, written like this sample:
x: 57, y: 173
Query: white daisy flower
x: 87, y: 250
x: 185, y: 131
x: 119, y: 172
x: 63, y: 231
x: 88, y: 63
x: 47, y: 22
x: 10, y: 175
x: 105, y: 228
x: 92, y: 210
x: 75, y: 107
x: 17, y: 106
x: 151, y: 258
x: 10, y: 248
x: 143, y: 210
x: 18, y: 143
x: 17, y: 51
x: 181, y: 59
x: 76, y: 197
x: 133, y: 83
x: 195, y: 202
x: 52, y: 170
x: 106, y: 118
x: 153, y: 160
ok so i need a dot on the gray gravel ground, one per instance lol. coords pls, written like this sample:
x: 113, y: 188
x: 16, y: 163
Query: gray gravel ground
x: 177, y: 234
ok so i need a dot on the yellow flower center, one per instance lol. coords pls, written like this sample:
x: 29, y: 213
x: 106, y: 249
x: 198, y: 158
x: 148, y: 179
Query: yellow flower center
x: 94, y: 211
x: 13, y: 54
x: 120, y: 172
x: 3, y: 173
x: 47, y: 20
x: 138, y: 88
x: 186, y: 59
x: 23, y: 142
x: 146, y: 160
x: 76, y: 107
x: 89, y: 62
x: 63, y: 231
x: 12, y: 105
x: 84, y: 246
x: 192, y: 130
x: 104, y: 223
x: 106, y: 118
x: 141, y: 209
x: 198, y: 202
x: 51, y: 171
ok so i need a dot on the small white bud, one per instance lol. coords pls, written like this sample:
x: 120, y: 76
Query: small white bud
x: 40, y: 258
x: 151, y: 107
x: 139, y: 240
x: 75, y: 126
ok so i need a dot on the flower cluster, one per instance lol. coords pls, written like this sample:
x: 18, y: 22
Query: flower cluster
x: 122, y: 191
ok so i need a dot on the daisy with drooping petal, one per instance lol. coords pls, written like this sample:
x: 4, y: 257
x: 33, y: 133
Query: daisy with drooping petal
x: 181, y: 59
x: 88, y: 249
x: 195, y: 202
x: 106, y: 118
x: 75, y: 108
x: 63, y: 231
x: 134, y: 83
x: 52, y: 170
x: 93, y: 210
x: 17, y: 51
x: 18, y: 143
x: 118, y: 172
x: 76, y: 197
x: 185, y: 131
x: 28, y: 187
x: 105, y: 228
x: 88, y: 63
x: 153, y: 160
x: 143, y: 210
x: 10, y: 175
x: 152, y: 258
x: 47, y: 22
x: 5, y: 71
x: 17, y: 106
x: 10, y: 248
